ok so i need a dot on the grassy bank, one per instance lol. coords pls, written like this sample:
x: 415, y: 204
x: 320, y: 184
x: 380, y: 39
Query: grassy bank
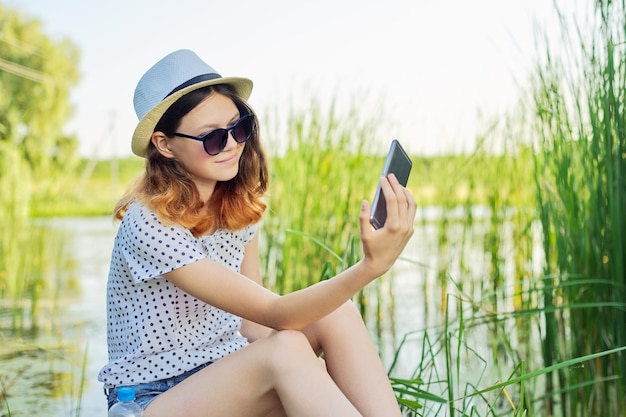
x: 94, y: 186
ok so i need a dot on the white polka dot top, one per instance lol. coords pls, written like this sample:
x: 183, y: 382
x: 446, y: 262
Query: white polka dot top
x: 155, y: 330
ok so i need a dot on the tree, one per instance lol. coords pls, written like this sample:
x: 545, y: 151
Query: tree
x: 36, y: 75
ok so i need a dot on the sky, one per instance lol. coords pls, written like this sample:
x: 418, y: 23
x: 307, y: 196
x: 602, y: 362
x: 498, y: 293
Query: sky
x: 439, y: 67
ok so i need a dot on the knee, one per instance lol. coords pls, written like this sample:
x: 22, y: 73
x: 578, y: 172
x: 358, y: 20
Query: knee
x: 286, y: 342
x: 349, y: 309
x: 334, y: 326
x: 289, y: 348
x: 346, y: 315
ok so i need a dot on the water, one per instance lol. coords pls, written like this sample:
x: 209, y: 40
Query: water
x: 42, y: 373
x: 44, y: 370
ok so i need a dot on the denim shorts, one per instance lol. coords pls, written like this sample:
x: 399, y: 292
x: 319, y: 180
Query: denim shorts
x: 145, y: 393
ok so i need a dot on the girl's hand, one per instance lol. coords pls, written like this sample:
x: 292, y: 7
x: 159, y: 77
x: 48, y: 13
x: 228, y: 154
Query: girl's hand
x: 383, y: 246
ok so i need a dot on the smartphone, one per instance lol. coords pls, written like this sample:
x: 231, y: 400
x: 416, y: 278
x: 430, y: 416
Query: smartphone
x: 399, y: 164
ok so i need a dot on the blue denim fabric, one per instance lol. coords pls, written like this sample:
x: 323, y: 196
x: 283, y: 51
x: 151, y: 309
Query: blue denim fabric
x: 147, y: 392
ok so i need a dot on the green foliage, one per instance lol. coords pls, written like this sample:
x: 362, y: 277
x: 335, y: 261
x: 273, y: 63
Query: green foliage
x: 444, y: 180
x: 580, y: 174
x: 90, y: 189
x: 35, y: 79
x: 317, y: 186
x: 36, y: 75
x: 329, y: 167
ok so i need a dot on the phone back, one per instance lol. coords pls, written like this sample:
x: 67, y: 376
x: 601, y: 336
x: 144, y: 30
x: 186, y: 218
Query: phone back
x: 399, y: 164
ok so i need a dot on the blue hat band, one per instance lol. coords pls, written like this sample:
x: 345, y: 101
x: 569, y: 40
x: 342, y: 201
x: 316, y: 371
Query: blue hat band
x: 194, y: 80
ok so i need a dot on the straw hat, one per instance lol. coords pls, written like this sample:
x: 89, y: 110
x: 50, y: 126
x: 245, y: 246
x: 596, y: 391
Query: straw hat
x: 168, y: 80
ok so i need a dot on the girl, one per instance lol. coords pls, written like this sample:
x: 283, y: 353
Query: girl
x: 190, y: 326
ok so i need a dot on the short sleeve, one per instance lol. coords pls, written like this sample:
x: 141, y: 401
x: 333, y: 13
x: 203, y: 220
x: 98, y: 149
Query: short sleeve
x: 247, y: 234
x: 150, y: 248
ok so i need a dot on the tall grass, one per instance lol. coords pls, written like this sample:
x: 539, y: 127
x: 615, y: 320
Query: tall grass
x: 575, y: 305
x: 28, y: 251
x: 580, y: 176
x: 455, y: 377
x: 318, y: 181
x: 311, y: 232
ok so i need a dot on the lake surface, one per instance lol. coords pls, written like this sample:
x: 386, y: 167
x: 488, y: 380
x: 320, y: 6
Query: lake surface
x: 45, y: 370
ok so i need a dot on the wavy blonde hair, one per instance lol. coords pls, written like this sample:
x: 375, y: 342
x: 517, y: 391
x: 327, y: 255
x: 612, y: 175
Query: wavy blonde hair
x: 167, y: 189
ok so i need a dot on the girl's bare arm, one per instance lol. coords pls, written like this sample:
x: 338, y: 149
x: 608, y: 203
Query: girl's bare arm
x: 222, y: 287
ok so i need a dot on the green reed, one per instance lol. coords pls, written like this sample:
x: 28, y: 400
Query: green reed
x: 28, y: 251
x: 318, y: 182
x: 576, y: 303
x: 580, y: 175
x: 311, y: 230
x: 456, y: 376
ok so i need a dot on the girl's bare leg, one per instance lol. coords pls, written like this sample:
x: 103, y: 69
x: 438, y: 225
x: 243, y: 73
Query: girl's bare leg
x: 353, y: 362
x: 278, y: 375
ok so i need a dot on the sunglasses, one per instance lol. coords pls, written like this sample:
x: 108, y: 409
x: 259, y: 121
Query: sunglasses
x: 215, y: 141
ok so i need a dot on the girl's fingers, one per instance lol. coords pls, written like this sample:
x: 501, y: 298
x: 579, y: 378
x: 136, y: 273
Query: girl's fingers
x: 364, y: 217
x: 399, y: 204
x: 401, y: 207
x: 411, y: 206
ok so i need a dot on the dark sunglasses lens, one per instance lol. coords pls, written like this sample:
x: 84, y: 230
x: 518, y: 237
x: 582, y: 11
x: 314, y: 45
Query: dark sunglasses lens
x: 243, y: 129
x: 215, y: 141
